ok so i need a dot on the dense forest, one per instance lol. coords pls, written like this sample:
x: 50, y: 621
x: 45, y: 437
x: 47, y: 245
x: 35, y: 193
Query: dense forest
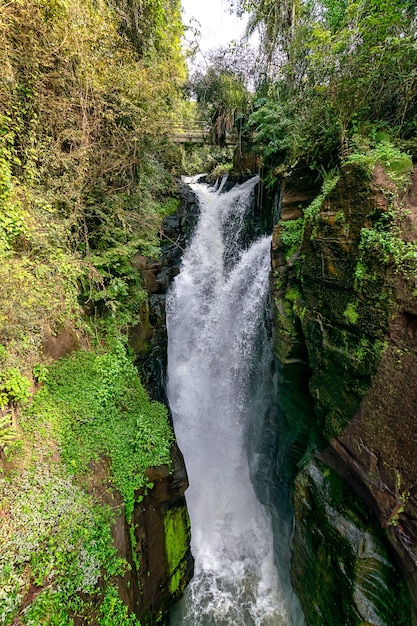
x: 330, y: 77
x: 89, y: 92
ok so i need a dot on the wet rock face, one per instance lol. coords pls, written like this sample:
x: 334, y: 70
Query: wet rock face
x: 340, y: 559
x: 346, y: 348
x: 162, y: 541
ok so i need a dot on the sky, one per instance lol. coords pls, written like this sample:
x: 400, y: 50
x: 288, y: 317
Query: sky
x: 218, y: 27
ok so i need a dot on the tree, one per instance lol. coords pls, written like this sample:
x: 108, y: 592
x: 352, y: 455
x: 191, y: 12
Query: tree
x: 336, y: 68
x: 275, y: 20
x: 222, y: 90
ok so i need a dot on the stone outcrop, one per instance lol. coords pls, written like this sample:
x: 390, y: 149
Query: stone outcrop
x: 155, y: 543
x: 345, y: 338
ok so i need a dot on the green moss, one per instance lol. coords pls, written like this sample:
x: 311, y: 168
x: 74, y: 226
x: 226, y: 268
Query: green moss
x: 351, y: 313
x: 94, y: 405
x: 177, y: 541
x: 341, y: 569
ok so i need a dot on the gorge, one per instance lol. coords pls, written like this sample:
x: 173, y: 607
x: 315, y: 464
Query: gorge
x: 348, y: 533
x: 284, y: 297
x: 218, y: 385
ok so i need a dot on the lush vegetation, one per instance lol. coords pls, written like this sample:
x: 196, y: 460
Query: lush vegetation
x: 331, y: 72
x: 57, y: 558
x: 88, y: 93
x: 93, y: 405
x: 56, y: 545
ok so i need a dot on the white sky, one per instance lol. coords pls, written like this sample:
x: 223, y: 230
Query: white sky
x: 218, y: 27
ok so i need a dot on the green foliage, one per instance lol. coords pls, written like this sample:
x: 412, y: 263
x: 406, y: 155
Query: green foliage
x: 14, y: 387
x: 333, y: 69
x: 198, y: 159
x: 272, y: 128
x: 222, y: 169
x: 36, y: 296
x: 385, y: 242
x: 351, y: 313
x: 291, y: 235
x: 95, y: 405
x: 86, y: 95
x: 222, y: 92
x: 8, y: 434
x: 58, y: 541
x: 328, y: 186
x: 397, y: 164
x: 113, y: 611
x: 40, y: 372
x: 275, y: 21
x: 57, y: 538
x: 87, y: 92
x: 153, y: 26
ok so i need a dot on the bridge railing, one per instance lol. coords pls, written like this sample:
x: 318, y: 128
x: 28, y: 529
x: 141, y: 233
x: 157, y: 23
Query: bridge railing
x: 194, y: 132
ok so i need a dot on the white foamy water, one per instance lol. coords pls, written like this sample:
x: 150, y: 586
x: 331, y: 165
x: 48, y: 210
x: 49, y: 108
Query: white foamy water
x: 215, y: 318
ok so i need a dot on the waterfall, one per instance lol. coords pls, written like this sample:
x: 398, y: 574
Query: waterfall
x: 217, y: 342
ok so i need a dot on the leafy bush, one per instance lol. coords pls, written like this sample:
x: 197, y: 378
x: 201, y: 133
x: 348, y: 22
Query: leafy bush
x: 14, y: 387
x: 95, y: 405
x: 397, y: 164
x: 56, y: 538
x: 291, y: 235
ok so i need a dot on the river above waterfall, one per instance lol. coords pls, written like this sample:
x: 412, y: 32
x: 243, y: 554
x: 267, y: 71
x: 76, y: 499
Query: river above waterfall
x: 218, y: 348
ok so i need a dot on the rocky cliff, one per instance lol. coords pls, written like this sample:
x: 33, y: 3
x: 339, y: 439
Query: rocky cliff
x: 345, y: 326
x: 155, y: 543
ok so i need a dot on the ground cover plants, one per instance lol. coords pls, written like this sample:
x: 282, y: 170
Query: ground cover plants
x: 57, y: 558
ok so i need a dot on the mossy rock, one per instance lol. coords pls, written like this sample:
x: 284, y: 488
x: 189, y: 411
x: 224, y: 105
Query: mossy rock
x: 342, y: 571
x: 177, y: 545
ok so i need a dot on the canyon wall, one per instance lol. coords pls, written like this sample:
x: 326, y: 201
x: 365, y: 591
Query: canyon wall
x: 345, y: 341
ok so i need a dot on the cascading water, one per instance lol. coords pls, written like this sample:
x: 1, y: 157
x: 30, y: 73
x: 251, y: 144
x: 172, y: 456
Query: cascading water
x: 216, y: 344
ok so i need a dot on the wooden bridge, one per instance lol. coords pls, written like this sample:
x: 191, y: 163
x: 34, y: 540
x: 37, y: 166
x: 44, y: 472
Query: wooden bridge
x: 198, y: 132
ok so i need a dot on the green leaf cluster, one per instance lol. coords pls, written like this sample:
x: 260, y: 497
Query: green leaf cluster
x: 14, y: 387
